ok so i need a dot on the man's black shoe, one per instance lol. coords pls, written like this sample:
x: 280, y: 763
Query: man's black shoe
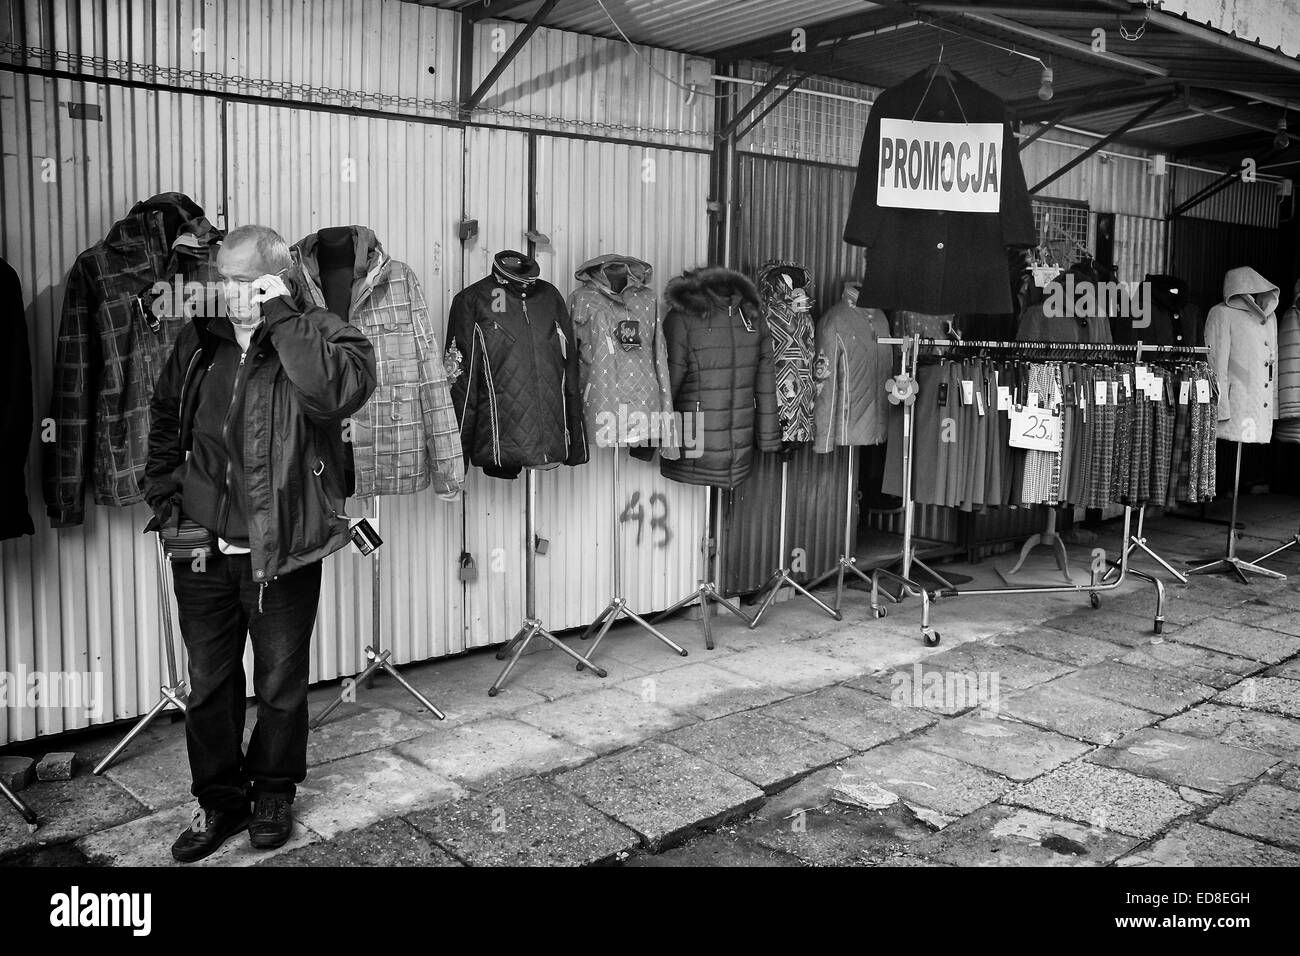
x: 208, y: 830
x: 272, y: 822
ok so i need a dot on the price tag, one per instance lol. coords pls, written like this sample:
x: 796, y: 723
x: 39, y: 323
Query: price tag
x: 1127, y: 391
x: 1202, y: 391
x: 979, y: 403
x: 1184, y: 392
x: 1032, y: 400
x: 1101, y: 393
x: 1004, y: 398
x: 1157, y: 387
x: 1114, y: 393
x: 1140, y: 377
x: 967, y: 392
x: 1036, y: 429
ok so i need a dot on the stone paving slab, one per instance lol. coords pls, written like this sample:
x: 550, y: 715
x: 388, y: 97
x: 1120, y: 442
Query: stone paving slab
x: 944, y: 685
x: 1192, y: 663
x: 923, y: 779
x: 1287, y: 622
x: 702, y: 690
x: 840, y: 836
x: 1013, y: 669
x: 1182, y: 611
x: 1155, y: 691
x: 1191, y: 844
x: 1290, y: 670
x: 1243, y: 640
x: 1284, y: 597
x: 797, y: 669
x: 66, y: 809
x: 769, y: 753
x: 1006, y: 747
x: 1108, y: 625
x: 630, y: 647
x: 357, y: 791
x: 147, y: 841
x: 717, y: 849
x: 387, y: 843
x: 157, y: 773
x: 603, y: 720
x: 1077, y: 650
x: 1105, y: 798
x: 460, y: 692
x: 1264, y: 812
x: 1074, y: 714
x: 1253, y: 730
x: 1274, y: 695
x: 1290, y: 778
x: 853, y: 718
x: 485, y: 754
x: 1223, y: 589
x: 531, y: 822
x: 661, y: 792
x: 875, y: 645
x: 1182, y: 760
x: 1013, y: 836
x: 371, y: 729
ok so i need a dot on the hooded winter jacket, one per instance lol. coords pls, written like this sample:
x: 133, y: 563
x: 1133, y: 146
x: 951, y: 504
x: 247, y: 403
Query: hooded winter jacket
x: 851, y: 370
x: 15, y: 408
x: 305, y: 371
x: 783, y: 290
x: 720, y: 365
x: 517, y: 395
x: 1241, y: 332
x: 623, y: 357
x: 120, y: 321
x: 406, y: 436
x: 1288, y: 352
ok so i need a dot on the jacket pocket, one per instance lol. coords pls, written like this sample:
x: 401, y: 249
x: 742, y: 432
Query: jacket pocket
x: 398, y: 431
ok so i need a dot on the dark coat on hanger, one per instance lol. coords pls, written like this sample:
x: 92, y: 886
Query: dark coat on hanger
x: 720, y: 366
x: 934, y: 261
x: 16, y: 409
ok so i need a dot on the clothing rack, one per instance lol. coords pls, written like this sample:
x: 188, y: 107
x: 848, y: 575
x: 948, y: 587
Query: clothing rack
x: 911, y: 351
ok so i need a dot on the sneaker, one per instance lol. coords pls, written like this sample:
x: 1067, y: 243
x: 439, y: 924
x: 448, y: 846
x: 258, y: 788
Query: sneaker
x: 272, y: 822
x: 207, y: 831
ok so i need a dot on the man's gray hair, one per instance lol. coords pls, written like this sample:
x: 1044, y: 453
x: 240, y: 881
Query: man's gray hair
x: 272, y: 251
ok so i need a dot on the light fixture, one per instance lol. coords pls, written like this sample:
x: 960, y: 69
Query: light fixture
x: 1045, y: 89
x: 1281, y: 139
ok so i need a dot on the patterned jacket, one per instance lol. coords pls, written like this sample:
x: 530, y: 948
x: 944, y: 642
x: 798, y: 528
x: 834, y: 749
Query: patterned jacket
x: 405, y: 437
x: 788, y: 310
x: 623, y: 358
x: 851, y: 370
x: 125, y: 305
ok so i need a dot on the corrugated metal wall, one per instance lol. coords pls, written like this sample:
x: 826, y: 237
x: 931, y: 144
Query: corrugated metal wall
x: 804, y: 125
x: 1246, y: 204
x: 1201, y: 252
x: 1139, y: 247
x: 1106, y: 184
x: 84, y: 599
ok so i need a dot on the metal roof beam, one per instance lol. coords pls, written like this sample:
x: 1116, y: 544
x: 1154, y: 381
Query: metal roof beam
x: 1104, y: 141
x: 790, y: 88
x: 526, y: 34
x: 1206, y: 34
x: 757, y: 98
x: 1098, y: 98
x: 819, y: 34
x: 490, y: 9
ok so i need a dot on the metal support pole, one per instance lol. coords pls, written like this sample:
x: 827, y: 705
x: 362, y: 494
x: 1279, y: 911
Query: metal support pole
x: 378, y: 659
x: 848, y: 562
x: 1139, y: 540
x: 618, y: 606
x: 173, y: 692
x: 781, y: 577
x: 531, y: 626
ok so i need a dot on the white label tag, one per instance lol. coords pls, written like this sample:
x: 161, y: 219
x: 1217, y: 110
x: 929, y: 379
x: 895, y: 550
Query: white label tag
x: 967, y: 392
x: 1157, y: 388
x: 1184, y: 393
x: 1202, y: 391
x: 979, y: 403
x: 1114, y: 393
x: 1004, y: 398
x: 1032, y: 400
x: 1036, y: 429
x: 1101, y: 393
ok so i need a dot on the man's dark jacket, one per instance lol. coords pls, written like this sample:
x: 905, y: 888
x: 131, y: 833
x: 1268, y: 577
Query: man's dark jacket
x: 306, y: 371
x: 115, y: 334
x: 517, y: 396
x: 934, y: 261
x: 16, y: 408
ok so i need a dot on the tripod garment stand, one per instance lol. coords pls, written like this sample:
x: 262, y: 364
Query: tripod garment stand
x: 1230, y: 563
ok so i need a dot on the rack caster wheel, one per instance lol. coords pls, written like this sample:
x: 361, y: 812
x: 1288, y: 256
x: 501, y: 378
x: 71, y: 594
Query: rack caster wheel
x: 1160, y: 626
x: 492, y: 692
x: 580, y: 667
x: 931, y: 638
x: 1095, y: 600
x: 880, y: 612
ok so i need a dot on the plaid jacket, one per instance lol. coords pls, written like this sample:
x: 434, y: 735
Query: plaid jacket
x: 117, y: 330
x: 406, y: 436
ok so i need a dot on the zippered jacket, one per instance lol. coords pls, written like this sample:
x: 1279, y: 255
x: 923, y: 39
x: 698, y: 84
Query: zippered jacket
x: 405, y: 438
x: 788, y: 310
x: 623, y: 356
x: 305, y: 372
x: 516, y: 393
x: 1241, y: 332
x: 720, y: 365
x: 851, y: 370
x: 117, y: 328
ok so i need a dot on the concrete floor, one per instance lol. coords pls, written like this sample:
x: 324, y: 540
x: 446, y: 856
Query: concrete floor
x: 1040, y: 731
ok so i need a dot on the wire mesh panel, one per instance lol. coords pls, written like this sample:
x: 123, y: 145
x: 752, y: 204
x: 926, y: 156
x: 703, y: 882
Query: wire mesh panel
x: 1063, y: 232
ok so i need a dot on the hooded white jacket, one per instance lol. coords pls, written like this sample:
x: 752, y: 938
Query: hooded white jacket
x: 1241, y: 332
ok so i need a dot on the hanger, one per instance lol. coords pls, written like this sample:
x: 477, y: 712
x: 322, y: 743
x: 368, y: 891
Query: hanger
x: 940, y: 70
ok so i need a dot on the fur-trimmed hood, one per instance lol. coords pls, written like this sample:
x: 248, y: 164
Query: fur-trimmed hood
x: 700, y: 291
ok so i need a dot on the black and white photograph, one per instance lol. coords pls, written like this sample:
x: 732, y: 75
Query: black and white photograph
x: 749, y: 435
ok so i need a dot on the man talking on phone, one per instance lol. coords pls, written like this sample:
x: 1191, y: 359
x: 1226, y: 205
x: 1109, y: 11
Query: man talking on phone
x: 247, y: 453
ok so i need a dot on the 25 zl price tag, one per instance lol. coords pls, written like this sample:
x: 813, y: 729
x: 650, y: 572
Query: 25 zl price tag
x: 1035, y: 428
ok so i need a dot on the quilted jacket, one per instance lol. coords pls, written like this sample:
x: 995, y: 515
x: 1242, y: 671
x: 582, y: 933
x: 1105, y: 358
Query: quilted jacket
x: 720, y: 366
x: 15, y: 408
x: 622, y: 354
x: 120, y: 321
x: 405, y: 437
x: 517, y: 395
x: 851, y: 370
x: 1241, y: 332
x: 783, y: 289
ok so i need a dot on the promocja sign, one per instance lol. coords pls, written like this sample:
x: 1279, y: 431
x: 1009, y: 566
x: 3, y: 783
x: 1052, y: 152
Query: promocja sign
x: 948, y: 166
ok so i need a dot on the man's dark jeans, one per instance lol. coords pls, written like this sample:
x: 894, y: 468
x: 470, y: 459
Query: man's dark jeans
x: 218, y: 610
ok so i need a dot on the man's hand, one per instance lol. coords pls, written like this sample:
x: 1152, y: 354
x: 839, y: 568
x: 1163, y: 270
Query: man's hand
x: 267, y: 287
